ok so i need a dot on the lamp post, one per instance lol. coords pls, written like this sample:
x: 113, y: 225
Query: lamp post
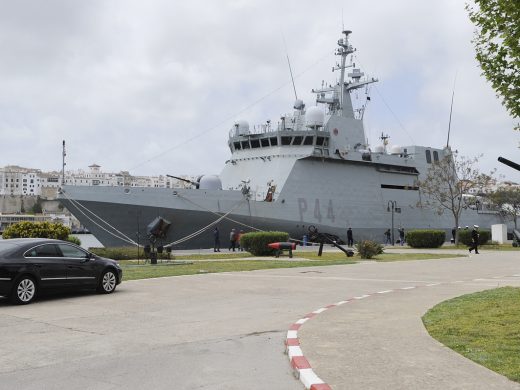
x: 392, y: 206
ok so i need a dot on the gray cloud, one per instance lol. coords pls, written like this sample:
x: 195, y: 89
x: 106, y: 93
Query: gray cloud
x: 133, y: 85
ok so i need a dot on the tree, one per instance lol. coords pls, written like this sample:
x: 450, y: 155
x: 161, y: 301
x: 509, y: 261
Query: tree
x: 497, y: 45
x: 507, y: 200
x: 448, y: 180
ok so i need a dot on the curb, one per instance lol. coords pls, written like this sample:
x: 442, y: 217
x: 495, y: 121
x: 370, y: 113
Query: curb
x: 302, y: 369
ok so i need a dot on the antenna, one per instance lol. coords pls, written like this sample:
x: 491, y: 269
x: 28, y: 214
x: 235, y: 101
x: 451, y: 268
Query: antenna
x: 451, y: 111
x: 290, y: 69
x: 63, y: 165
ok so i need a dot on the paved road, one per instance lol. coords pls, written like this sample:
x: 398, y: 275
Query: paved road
x: 226, y: 331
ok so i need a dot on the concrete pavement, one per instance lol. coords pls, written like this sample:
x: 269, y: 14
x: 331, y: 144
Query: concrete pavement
x: 227, y: 331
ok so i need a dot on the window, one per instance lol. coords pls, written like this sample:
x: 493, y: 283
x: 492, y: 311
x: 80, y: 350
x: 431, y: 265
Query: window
x: 236, y: 145
x: 72, y: 251
x: 319, y: 141
x: 48, y: 250
x: 286, y: 140
x: 308, y: 140
x: 274, y: 141
x: 435, y: 156
x: 255, y: 143
x: 297, y: 140
x: 265, y: 142
x: 428, y: 157
x: 245, y: 144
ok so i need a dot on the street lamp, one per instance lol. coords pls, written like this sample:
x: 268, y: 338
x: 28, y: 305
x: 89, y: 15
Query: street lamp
x: 392, y: 206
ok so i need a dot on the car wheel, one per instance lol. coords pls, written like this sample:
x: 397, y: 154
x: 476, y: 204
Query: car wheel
x: 108, y: 282
x: 24, y: 291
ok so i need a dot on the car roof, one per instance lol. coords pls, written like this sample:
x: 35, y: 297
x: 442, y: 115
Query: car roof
x: 15, y: 244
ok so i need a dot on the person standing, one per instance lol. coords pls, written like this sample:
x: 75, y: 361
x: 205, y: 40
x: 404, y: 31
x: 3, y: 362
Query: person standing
x: 388, y: 240
x: 474, y: 239
x: 239, y: 244
x: 232, y: 240
x: 350, y: 239
x: 401, y: 236
x: 216, y: 238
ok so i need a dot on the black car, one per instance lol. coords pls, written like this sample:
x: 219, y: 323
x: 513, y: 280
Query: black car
x: 28, y: 265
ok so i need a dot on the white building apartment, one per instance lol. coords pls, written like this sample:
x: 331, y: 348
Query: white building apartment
x: 18, y: 181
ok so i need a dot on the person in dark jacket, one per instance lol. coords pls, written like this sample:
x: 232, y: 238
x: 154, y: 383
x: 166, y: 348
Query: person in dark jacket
x: 474, y: 239
x: 216, y: 237
x: 388, y: 235
x: 401, y: 236
x: 233, y: 239
x: 350, y: 239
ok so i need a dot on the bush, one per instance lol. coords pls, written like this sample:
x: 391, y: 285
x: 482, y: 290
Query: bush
x: 37, y: 230
x: 368, y: 249
x: 465, y: 237
x: 256, y: 242
x: 426, y: 238
x: 74, y: 240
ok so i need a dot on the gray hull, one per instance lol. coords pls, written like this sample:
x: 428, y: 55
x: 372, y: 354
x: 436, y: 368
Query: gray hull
x: 355, y: 198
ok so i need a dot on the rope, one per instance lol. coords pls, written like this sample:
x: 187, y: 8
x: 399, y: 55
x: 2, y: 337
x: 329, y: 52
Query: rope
x: 77, y: 205
x: 225, y: 216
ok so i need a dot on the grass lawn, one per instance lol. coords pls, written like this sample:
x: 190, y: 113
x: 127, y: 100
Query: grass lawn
x: 232, y: 262
x: 484, y: 327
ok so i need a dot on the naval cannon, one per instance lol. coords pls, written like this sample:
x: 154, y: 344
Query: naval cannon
x: 322, y: 238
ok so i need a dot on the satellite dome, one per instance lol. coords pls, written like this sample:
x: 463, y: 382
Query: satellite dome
x: 379, y: 149
x: 298, y: 104
x: 396, y: 149
x: 242, y: 127
x: 210, y: 182
x: 314, y: 117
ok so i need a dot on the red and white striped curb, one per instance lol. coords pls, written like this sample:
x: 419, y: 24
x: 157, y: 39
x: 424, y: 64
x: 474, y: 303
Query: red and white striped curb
x: 301, y: 366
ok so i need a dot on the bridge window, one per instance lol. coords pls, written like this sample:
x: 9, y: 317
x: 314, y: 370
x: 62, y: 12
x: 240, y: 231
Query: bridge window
x: 245, y: 144
x: 265, y: 142
x: 236, y: 145
x: 428, y: 157
x: 308, y: 140
x: 255, y: 143
x: 274, y: 141
x: 297, y: 140
x: 319, y: 141
x: 435, y: 156
x: 286, y: 140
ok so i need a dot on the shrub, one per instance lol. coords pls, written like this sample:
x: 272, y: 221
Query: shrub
x: 425, y: 238
x: 74, y: 240
x: 37, y: 230
x: 256, y: 242
x: 465, y: 237
x: 368, y: 249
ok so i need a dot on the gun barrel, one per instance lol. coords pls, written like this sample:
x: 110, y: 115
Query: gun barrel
x: 509, y: 163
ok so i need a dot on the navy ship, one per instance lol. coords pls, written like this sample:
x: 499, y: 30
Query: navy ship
x: 313, y: 167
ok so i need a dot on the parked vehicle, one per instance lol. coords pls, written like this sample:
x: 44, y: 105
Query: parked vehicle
x: 29, y: 265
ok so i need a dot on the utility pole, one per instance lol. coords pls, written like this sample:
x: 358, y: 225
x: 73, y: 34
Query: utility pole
x: 63, y: 165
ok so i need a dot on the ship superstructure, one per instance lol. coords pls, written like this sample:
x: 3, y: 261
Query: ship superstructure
x: 314, y: 167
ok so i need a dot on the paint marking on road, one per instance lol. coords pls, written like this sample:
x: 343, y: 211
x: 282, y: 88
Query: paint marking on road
x: 432, y: 284
x: 362, y: 296
x: 384, y: 291
x: 292, y: 334
x: 302, y: 321
x: 320, y: 310
x: 407, y: 288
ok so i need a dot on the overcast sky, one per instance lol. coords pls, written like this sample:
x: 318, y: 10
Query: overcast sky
x: 154, y: 86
